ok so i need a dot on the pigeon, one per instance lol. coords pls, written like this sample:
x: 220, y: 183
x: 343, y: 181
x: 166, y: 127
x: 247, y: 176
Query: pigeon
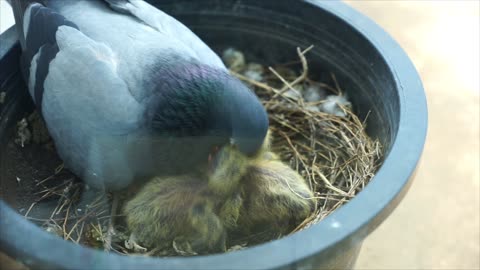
x: 128, y: 92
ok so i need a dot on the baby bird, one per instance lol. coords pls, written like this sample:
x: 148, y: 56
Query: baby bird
x: 175, y: 210
x: 237, y: 194
x: 192, y: 210
x: 276, y: 198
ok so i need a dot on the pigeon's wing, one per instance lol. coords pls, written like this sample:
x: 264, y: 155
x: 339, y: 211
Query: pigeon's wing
x: 88, y: 108
x: 75, y: 74
x: 167, y: 25
x: 82, y: 79
x: 37, y: 26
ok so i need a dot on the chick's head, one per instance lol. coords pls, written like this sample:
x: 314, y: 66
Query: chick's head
x: 226, y: 170
x: 274, y: 194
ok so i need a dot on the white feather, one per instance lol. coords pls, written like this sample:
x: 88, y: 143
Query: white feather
x: 333, y: 105
x: 26, y: 20
x: 33, y: 72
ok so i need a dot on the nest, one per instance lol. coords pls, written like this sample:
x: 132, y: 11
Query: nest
x: 331, y: 150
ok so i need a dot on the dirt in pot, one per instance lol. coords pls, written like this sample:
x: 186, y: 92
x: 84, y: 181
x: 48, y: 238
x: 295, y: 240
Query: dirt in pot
x: 317, y: 159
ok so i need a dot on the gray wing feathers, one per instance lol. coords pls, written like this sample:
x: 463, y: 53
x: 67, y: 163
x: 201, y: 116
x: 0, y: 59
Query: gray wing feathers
x: 168, y: 26
x: 37, y: 26
x: 82, y: 81
x: 121, y: 6
x: 90, y: 110
x: 19, y: 7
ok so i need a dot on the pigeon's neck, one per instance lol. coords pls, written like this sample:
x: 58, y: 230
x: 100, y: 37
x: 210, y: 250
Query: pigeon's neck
x: 179, y: 117
x: 186, y: 97
x: 194, y: 110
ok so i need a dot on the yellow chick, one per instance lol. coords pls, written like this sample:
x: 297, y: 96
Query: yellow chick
x: 275, y: 197
x: 191, y: 210
x: 235, y: 194
x: 176, y: 209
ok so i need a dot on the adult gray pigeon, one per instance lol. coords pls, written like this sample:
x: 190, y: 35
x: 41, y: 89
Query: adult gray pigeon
x: 128, y: 92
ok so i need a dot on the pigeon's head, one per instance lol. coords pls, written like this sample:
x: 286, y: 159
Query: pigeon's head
x: 204, y: 109
x: 236, y: 114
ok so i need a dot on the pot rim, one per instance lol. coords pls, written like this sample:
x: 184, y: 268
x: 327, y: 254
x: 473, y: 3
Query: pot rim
x: 369, y: 207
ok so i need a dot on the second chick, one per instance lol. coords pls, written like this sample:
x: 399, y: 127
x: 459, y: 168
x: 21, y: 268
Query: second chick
x: 276, y: 198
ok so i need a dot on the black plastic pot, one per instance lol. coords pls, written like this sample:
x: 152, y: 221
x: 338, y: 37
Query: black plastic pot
x: 371, y: 67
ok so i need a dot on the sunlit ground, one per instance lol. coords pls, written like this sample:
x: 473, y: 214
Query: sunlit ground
x: 6, y: 16
x: 437, y: 224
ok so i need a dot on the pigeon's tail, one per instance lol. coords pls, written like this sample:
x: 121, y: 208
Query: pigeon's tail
x: 19, y: 7
x: 37, y: 25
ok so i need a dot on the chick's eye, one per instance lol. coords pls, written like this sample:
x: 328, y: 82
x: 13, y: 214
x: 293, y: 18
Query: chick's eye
x: 213, y: 152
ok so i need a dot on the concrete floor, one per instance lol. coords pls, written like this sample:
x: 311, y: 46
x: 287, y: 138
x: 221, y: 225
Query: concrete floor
x: 437, y: 224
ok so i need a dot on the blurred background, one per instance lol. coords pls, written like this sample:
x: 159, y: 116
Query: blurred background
x: 437, y: 225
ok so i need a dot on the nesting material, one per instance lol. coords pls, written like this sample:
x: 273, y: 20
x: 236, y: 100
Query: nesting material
x: 254, y: 71
x: 314, y: 93
x: 314, y: 131
x: 23, y: 133
x: 39, y: 131
x: 335, y: 105
x: 234, y: 59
